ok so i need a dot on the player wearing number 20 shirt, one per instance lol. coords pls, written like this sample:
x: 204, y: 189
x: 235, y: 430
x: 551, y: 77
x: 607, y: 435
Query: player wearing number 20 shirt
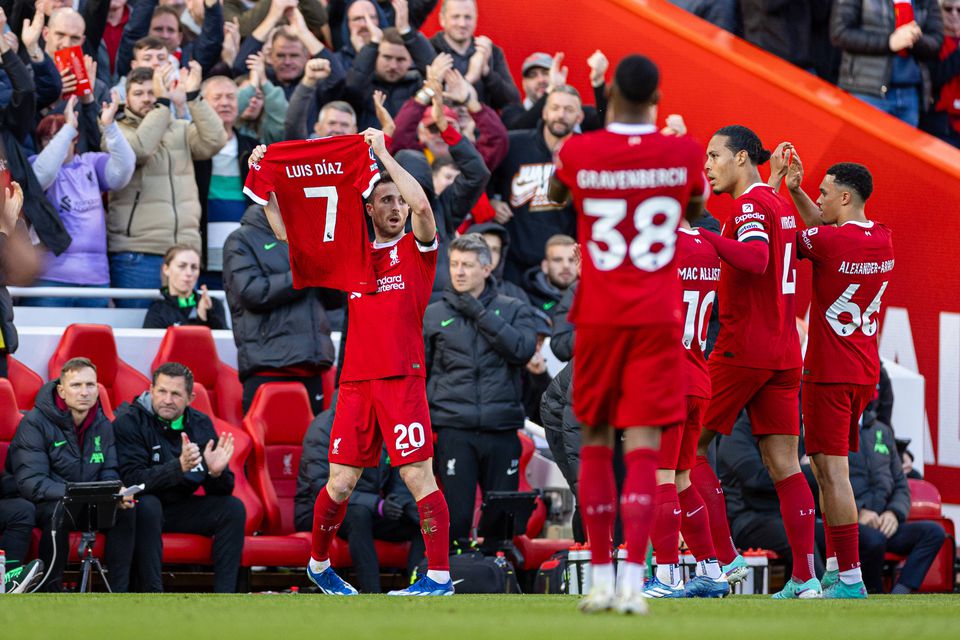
x: 631, y: 185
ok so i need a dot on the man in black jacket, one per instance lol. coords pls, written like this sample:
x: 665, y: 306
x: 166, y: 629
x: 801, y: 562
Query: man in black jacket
x: 477, y: 343
x: 380, y: 508
x: 480, y: 61
x: 173, y: 450
x: 282, y: 333
x: 560, y: 268
x: 67, y: 438
x: 519, y: 193
x: 883, y: 503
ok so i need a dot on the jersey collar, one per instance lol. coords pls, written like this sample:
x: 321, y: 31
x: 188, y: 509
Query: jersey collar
x: 755, y: 184
x: 689, y: 232
x: 866, y: 225
x: 630, y: 129
x: 384, y: 245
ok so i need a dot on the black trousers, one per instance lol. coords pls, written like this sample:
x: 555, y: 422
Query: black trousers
x: 766, y: 531
x: 919, y: 541
x: 118, y: 553
x: 314, y: 387
x: 17, y: 517
x: 467, y: 458
x: 361, y: 527
x: 221, y: 517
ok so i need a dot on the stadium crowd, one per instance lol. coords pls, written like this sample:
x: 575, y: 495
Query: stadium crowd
x: 132, y: 157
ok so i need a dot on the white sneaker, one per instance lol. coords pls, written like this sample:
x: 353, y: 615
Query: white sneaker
x: 630, y: 602
x: 599, y: 599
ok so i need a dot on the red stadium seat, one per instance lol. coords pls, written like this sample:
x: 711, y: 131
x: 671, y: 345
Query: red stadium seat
x: 26, y: 383
x: 277, y: 421
x: 535, y: 550
x: 9, y: 418
x: 105, y: 403
x: 924, y: 501
x: 193, y: 346
x: 925, y: 504
x: 95, y: 341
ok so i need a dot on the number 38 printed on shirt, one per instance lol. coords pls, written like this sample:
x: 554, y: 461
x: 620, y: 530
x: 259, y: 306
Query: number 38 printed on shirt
x: 655, y: 220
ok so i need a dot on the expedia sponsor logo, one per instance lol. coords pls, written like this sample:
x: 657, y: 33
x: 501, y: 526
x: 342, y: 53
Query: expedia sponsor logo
x: 390, y: 283
x: 749, y: 216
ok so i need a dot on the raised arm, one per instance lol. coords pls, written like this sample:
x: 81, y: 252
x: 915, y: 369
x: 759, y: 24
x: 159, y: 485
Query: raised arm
x: 424, y: 225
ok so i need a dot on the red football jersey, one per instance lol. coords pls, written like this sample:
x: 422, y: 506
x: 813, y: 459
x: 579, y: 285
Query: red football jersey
x: 320, y: 185
x: 385, y: 329
x: 758, y: 323
x: 851, y: 270
x: 699, y: 267
x: 630, y: 186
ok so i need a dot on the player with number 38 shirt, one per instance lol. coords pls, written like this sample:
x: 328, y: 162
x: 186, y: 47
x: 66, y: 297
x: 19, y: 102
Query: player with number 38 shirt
x: 631, y: 185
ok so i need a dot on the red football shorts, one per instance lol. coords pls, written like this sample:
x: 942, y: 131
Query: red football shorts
x: 371, y: 413
x: 831, y: 416
x: 628, y: 377
x: 678, y: 444
x: 769, y: 396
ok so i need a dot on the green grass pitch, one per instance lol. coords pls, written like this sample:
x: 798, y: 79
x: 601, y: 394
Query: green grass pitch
x: 464, y: 617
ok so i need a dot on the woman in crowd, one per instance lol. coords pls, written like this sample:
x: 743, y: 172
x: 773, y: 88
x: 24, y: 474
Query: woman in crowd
x: 182, y: 302
x: 74, y: 184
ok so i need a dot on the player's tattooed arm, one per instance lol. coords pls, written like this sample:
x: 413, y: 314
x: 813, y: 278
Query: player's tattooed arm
x: 422, y: 220
x: 806, y: 207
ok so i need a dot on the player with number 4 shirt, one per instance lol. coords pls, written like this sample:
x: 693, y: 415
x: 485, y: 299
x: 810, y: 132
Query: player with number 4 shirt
x: 383, y: 398
x: 631, y: 184
x: 852, y: 263
x: 756, y: 360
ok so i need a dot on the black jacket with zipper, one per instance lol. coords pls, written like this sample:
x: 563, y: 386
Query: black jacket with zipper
x: 168, y: 313
x: 474, y: 365
x: 46, y: 452
x: 149, y: 452
x: 274, y: 325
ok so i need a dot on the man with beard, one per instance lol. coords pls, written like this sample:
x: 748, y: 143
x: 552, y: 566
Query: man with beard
x: 560, y: 268
x: 520, y: 194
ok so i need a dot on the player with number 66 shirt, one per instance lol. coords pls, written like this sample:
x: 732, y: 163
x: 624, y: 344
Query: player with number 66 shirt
x: 630, y: 184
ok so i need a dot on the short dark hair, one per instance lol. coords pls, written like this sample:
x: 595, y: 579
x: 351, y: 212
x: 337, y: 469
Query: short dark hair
x: 392, y: 35
x: 473, y: 243
x: 148, y: 42
x: 166, y: 9
x: 440, y: 162
x: 385, y: 178
x: 140, y: 74
x: 174, y: 370
x: 853, y: 176
x: 76, y: 364
x: 740, y: 138
x: 637, y: 79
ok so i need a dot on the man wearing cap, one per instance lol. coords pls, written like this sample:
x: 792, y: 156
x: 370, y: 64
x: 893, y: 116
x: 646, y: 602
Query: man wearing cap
x: 478, y: 342
x: 542, y: 73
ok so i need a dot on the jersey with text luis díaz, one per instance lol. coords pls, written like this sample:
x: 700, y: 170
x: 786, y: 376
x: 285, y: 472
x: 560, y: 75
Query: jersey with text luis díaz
x: 320, y: 185
x: 630, y: 186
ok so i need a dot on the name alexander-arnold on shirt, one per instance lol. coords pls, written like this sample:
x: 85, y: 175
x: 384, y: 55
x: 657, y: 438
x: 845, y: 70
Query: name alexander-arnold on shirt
x: 865, y: 268
x: 322, y: 168
x: 632, y: 178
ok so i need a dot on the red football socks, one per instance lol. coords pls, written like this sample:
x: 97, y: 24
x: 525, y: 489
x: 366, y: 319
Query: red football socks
x: 708, y: 486
x: 636, y: 502
x: 831, y: 551
x: 666, y: 524
x: 798, y: 513
x: 846, y: 541
x: 695, y: 524
x: 435, y: 527
x: 598, y: 501
x: 327, y: 517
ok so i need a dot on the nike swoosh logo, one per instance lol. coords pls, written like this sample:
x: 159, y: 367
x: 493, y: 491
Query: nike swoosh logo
x: 404, y: 454
x: 510, y: 472
x: 690, y: 514
x: 447, y: 322
x: 677, y: 512
x: 60, y: 444
x: 456, y: 582
x: 269, y: 246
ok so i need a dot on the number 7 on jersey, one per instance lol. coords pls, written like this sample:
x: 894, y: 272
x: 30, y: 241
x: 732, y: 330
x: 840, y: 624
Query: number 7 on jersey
x: 330, y: 193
